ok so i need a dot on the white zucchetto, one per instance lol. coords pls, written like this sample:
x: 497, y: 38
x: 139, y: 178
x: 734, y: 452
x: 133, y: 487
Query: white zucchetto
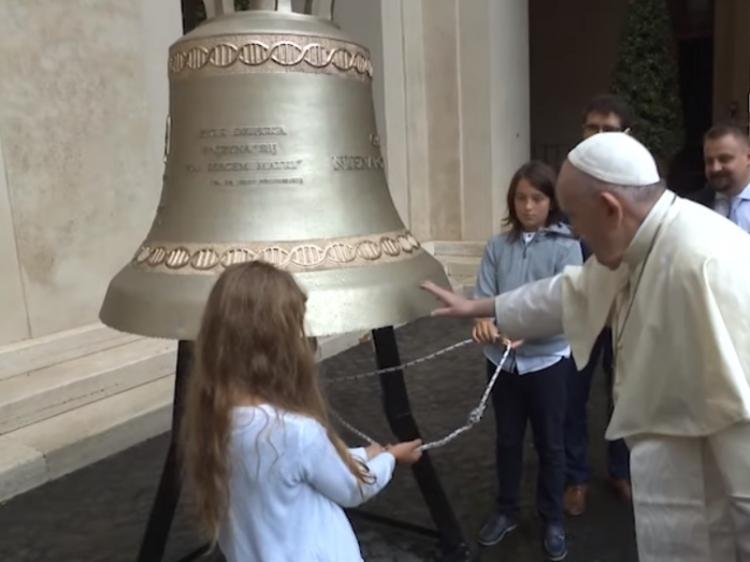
x: 615, y: 158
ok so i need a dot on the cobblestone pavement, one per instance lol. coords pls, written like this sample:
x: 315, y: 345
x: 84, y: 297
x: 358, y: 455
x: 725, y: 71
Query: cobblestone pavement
x: 98, y: 513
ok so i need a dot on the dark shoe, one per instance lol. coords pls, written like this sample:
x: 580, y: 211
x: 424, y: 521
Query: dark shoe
x: 575, y: 499
x: 555, y: 544
x: 495, y: 528
x: 621, y: 488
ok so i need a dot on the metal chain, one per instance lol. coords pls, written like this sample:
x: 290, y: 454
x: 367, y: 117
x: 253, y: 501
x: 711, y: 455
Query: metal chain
x: 401, y: 367
x: 351, y: 428
x: 475, y: 415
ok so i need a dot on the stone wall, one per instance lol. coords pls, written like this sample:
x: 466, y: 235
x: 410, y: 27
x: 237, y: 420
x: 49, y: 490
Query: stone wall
x: 457, y: 111
x: 83, y: 102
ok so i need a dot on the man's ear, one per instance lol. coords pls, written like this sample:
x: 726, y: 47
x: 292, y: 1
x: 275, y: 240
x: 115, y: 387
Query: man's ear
x: 612, y: 205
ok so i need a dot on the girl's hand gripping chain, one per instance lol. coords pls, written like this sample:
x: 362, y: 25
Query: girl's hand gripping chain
x: 407, y: 452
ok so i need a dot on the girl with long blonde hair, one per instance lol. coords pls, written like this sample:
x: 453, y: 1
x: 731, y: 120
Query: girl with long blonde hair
x: 268, y: 473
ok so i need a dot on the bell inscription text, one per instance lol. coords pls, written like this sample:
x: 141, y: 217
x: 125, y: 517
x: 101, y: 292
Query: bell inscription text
x: 228, y: 152
x: 355, y: 163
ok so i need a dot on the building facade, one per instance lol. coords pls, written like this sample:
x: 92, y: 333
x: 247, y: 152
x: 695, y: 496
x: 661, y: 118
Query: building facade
x: 463, y: 91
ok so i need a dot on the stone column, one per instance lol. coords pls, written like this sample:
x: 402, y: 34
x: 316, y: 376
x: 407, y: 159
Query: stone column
x: 405, y: 93
x: 457, y: 111
x: 509, y: 97
x: 475, y: 80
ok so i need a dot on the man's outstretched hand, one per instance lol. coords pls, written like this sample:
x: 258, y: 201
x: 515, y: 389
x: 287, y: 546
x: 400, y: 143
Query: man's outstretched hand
x: 454, y: 305
x: 458, y: 306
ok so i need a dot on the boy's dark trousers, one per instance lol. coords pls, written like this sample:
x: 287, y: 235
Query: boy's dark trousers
x: 538, y: 397
x: 577, y: 467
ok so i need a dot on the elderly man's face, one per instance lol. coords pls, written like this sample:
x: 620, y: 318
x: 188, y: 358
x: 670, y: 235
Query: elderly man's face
x: 596, y: 216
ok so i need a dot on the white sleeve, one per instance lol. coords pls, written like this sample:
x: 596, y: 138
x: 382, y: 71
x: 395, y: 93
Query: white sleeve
x: 576, y: 303
x: 325, y: 471
x: 359, y: 453
x: 532, y: 311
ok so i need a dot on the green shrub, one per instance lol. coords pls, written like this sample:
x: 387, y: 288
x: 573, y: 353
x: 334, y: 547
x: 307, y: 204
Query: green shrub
x: 647, y: 76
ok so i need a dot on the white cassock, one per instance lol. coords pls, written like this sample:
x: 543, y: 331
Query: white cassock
x: 679, y: 307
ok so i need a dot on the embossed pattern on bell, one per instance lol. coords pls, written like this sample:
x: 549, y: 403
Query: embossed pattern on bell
x: 272, y: 154
x: 295, y: 256
x: 266, y: 53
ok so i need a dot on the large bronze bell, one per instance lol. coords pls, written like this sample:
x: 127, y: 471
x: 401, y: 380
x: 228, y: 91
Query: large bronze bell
x: 272, y: 153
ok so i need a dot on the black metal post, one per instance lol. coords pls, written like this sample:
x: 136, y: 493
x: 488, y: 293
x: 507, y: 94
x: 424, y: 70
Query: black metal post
x: 193, y: 13
x: 168, y: 493
x: 399, y: 415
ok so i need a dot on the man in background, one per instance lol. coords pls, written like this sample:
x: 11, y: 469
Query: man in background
x: 726, y: 157
x: 604, y: 114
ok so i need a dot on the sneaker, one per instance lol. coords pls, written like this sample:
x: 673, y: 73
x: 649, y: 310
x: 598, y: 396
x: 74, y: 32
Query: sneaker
x: 495, y: 528
x: 555, y: 544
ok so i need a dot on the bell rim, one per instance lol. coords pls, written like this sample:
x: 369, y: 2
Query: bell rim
x: 359, y: 307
